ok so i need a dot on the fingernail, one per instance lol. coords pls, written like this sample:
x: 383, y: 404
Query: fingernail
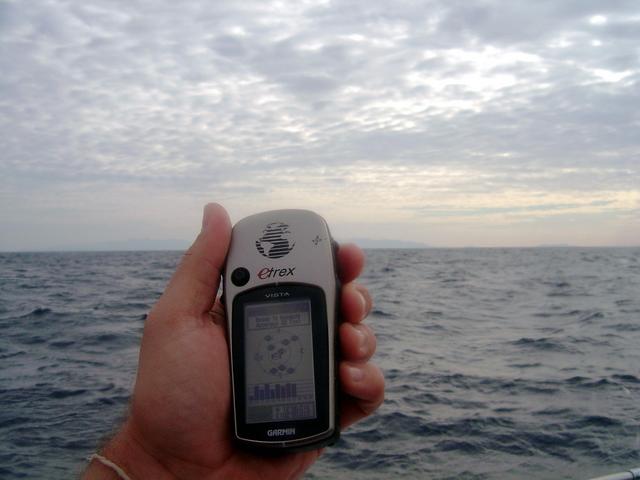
x: 363, y: 302
x: 355, y: 373
x: 206, y: 214
x: 362, y: 338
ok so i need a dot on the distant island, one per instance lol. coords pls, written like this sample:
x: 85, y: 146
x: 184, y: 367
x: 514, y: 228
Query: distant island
x: 143, y: 244
x: 385, y: 243
x: 146, y: 244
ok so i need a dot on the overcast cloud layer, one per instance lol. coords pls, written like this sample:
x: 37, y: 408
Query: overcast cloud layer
x: 444, y: 122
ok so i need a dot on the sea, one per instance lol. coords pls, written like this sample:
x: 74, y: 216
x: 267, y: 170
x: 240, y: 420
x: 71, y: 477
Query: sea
x: 499, y: 363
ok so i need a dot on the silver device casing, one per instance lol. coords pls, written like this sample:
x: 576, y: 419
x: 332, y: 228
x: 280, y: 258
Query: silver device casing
x: 312, y: 253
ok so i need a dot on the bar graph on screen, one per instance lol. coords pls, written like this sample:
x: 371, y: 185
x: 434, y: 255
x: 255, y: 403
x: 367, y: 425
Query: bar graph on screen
x: 272, y: 393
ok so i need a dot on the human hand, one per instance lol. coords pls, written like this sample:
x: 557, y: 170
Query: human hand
x: 179, y: 425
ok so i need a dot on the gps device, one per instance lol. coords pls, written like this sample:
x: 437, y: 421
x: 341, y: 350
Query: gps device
x: 281, y: 300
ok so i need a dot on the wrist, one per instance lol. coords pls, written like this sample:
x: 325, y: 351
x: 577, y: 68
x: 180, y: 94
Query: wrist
x: 130, y: 455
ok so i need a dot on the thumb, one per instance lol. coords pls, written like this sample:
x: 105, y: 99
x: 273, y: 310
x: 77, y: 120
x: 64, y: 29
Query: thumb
x: 192, y: 289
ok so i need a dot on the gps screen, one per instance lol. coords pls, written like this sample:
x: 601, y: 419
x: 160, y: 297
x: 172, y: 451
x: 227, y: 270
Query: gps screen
x: 279, y: 361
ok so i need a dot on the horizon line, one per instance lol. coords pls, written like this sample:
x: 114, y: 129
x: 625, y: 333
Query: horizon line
x: 426, y: 247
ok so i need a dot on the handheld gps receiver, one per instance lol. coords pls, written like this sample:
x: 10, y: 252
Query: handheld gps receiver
x: 281, y: 299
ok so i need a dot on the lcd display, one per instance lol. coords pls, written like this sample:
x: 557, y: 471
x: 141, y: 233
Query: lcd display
x: 279, y: 361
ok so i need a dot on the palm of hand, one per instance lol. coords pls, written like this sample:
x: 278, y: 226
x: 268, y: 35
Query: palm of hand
x: 186, y: 409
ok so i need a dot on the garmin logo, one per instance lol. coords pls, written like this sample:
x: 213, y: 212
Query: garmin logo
x: 279, y: 432
x: 275, y: 272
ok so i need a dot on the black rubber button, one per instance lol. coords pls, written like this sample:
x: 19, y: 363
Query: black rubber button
x: 240, y: 276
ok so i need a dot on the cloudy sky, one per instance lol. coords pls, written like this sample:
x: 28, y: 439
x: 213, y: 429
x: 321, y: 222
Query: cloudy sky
x: 446, y: 122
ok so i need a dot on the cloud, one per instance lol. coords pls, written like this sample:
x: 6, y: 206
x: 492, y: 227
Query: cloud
x: 276, y: 103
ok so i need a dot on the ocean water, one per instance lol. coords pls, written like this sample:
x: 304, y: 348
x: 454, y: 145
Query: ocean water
x: 500, y: 363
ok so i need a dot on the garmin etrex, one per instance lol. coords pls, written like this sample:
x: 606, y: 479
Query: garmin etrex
x: 281, y: 299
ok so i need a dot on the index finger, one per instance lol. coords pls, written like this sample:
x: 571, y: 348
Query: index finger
x: 350, y: 262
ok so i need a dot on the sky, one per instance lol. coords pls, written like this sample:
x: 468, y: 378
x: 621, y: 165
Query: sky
x: 446, y: 123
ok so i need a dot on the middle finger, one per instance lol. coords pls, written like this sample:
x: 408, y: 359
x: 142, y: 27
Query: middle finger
x: 356, y: 302
x: 357, y: 342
